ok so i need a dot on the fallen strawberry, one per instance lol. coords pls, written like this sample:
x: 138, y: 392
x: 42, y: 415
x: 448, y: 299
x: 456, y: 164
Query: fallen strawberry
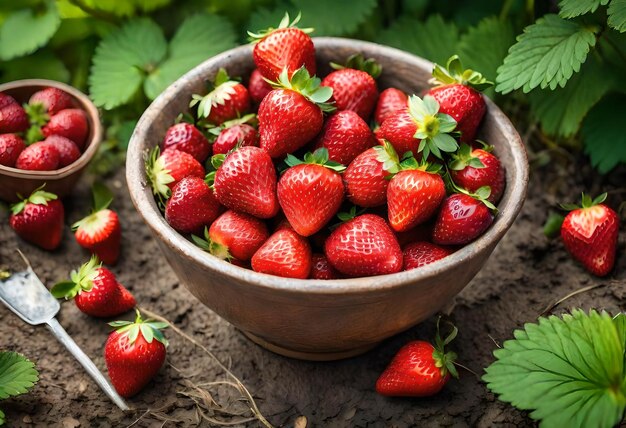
x: 284, y: 48
x: 345, y: 135
x: 363, y: 246
x: 310, y: 192
x: 292, y: 114
x: 419, y: 369
x: 418, y: 254
x: 474, y: 168
x: 11, y: 145
x: 458, y: 95
x: 590, y: 233
x: 52, y: 99
x: 70, y: 123
x: 390, y: 101
x: 95, y: 291
x: 187, y: 138
x: 134, y: 353
x: 100, y: 231
x: 233, y: 235
x: 463, y: 218
x: 286, y: 254
x: 192, y: 206
x: 165, y: 170
x: 39, y: 219
x: 228, y: 99
x: 39, y: 157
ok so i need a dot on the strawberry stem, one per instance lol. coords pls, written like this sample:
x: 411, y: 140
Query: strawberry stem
x: 443, y: 360
x: 585, y: 202
x: 454, y: 73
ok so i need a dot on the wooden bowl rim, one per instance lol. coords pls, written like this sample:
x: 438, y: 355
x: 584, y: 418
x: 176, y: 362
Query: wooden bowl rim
x: 92, y: 145
x: 142, y: 197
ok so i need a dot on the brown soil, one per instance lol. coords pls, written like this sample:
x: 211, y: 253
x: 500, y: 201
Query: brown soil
x: 525, y: 274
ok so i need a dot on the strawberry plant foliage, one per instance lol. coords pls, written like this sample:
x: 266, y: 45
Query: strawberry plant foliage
x: 546, y: 55
x: 567, y: 371
x: 138, y: 53
x: 25, y: 30
x: 573, y: 8
x: 617, y: 15
x: 603, y: 133
x: 17, y: 374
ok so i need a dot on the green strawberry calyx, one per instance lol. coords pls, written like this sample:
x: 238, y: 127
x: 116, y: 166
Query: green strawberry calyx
x: 284, y: 23
x: 38, y: 197
x: 445, y: 360
x: 80, y: 280
x: 220, y: 91
x: 481, y: 194
x: 348, y: 215
x: 585, y: 202
x: 306, y: 85
x: 215, y: 248
x: 318, y: 157
x: 386, y: 154
x: 433, y: 128
x: 158, y: 176
x: 359, y: 62
x: 215, y: 130
x: 454, y: 73
x: 38, y: 117
x: 463, y: 158
x: 102, y: 199
x: 408, y: 162
x: 149, y: 329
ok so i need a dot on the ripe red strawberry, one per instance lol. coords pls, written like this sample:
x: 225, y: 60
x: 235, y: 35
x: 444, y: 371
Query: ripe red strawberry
x: 68, y: 150
x: 419, y: 369
x: 186, y: 138
x: 364, y: 246
x: 227, y: 100
x: 420, y: 128
x: 390, y: 101
x: 39, y: 219
x: 233, y: 235
x: 241, y: 133
x: 165, y: 170
x: 39, y: 157
x: 95, y: 291
x: 246, y: 182
x: 414, y: 195
x: 258, y: 87
x: 462, y: 218
x: 6, y: 100
x: 53, y: 100
x: 310, y: 192
x: 590, y: 234
x: 322, y: 269
x: 192, y: 206
x: 345, y: 135
x: 354, y: 86
x: 13, y: 118
x: 292, y: 115
x: 458, y: 96
x: 11, y: 146
x: 70, y: 123
x: 134, y: 353
x: 284, y: 48
x: 286, y: 254
x: 366, y: 176
x: 473, y: 169
x: 419, y: 254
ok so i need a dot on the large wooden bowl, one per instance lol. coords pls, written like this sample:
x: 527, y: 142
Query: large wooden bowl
x: 316, y: 319
x: 60, y: 181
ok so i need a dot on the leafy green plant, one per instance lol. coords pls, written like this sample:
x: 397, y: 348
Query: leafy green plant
x: 17, y: 376
x: 569, y: 371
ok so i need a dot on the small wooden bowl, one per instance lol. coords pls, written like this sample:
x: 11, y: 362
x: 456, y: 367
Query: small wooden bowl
x: 316, y: 319
x: 60, y: 181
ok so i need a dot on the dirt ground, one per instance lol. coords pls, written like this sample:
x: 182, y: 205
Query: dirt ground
x: 524, y: 275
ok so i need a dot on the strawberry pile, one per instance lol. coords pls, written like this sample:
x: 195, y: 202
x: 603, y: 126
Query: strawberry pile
x: 45, y: 134
x: 303, y: 177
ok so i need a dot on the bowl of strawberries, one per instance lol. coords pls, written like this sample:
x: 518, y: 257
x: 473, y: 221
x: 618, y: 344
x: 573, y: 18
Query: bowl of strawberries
x: 49, y: 131
x: 322, y: 215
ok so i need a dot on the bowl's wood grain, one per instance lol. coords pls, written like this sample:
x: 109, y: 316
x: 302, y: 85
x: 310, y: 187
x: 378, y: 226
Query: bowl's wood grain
x: 61, y: 181
x: 315, y: 319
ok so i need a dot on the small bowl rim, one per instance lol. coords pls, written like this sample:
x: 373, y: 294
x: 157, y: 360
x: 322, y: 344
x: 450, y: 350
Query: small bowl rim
x: 144, y: 202
x: 92, y: 145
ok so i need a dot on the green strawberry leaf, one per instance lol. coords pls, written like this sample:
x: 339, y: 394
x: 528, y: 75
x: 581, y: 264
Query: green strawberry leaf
x: 617, y: 15
x: 44, y: 65
x: 102, y: 196
x: 122, y: 59
x: 26, y: 30
x: 603, y: 134
x: 332, y: 17
x: 552, y: 226
x: 17, y: 374
x: 573, y: 8
x: 2, y: 420
x: 562, y: 111
x: 433, y: 39
x: 200, y: 37
x: 546, y: 55
x: 569, y: 371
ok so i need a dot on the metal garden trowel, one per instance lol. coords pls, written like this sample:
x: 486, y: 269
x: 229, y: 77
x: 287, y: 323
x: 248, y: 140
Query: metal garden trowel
x: 24, y: 293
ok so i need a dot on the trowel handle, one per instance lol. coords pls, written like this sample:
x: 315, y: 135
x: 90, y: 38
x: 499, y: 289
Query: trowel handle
x: 86, y: 362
